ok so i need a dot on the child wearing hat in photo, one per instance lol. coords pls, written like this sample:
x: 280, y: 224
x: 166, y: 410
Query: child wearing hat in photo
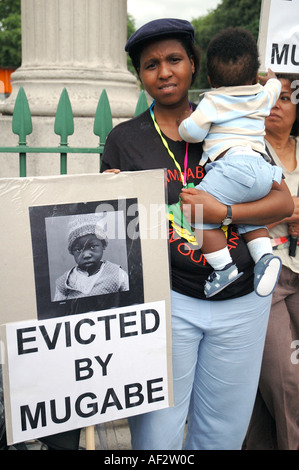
x: 92, y: 275
x: 230, y: 121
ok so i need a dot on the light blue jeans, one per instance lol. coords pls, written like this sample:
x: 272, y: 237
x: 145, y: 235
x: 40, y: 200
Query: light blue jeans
x: 217, y: 353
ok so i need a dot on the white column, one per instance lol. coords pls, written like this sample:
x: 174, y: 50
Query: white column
x: 77, y: 44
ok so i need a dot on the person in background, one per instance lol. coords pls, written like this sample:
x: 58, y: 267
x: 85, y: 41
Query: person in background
x: 275, y: 420
x: 217, y: 344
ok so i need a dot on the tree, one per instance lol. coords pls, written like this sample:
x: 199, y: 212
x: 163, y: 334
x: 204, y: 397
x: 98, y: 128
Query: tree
x: 10, y: 33
x: 244, y: 13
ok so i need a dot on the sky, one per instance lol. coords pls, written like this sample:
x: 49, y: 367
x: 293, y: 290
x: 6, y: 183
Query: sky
x: 147, y: 10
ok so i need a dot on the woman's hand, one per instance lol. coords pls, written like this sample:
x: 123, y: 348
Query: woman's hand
x: 213, y: 211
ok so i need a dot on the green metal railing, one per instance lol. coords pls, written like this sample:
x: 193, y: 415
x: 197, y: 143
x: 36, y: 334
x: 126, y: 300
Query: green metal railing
x: 64, y: 127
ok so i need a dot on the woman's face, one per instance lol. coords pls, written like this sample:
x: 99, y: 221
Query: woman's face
x: 283, y: 114
x: 166, y: 71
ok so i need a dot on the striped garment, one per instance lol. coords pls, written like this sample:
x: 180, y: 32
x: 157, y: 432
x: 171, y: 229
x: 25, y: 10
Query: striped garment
x: 231, y: 116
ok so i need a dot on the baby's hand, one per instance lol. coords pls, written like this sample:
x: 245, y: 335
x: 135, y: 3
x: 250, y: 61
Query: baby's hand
x: 264, y: 78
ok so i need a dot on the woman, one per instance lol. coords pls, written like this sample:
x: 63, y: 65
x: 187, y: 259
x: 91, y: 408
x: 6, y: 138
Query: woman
x: 217, y: 345
x: 275, y: 420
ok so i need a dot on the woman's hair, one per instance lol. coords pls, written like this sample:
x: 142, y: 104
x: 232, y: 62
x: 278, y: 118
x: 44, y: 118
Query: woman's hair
x: 232, y: 58
x: 292, y: 78
x: 191, y: 49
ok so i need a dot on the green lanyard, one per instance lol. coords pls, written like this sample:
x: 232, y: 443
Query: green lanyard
x: 183, y: 177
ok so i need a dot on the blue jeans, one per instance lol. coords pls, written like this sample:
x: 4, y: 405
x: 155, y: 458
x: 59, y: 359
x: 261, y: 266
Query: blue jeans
x: 217, y: 353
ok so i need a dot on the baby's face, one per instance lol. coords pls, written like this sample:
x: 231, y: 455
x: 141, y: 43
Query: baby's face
x: 88, y: 252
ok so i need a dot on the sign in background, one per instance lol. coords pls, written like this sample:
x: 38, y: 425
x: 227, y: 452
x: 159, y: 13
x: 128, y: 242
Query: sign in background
x: 279, y: 36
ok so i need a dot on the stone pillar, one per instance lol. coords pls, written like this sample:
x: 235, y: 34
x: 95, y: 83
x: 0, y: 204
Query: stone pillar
x: 77, y: 44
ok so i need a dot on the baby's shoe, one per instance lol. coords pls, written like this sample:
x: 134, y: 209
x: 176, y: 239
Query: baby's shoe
x: 218, y: 280
x: 266, y: 274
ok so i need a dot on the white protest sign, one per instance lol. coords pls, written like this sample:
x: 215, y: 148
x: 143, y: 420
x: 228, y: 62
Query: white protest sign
x: 279, y: 36
x: 75, y: 371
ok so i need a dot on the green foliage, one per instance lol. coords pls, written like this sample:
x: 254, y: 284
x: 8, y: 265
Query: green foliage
x: 10, y: 33
x: 243, y: 13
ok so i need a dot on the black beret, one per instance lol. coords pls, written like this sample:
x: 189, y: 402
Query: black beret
x: 159, y: 28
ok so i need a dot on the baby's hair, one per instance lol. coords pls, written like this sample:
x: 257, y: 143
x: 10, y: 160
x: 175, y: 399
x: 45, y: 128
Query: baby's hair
x: 232, y: 58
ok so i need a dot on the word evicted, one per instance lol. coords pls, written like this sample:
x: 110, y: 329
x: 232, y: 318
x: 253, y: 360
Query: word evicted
x: 87, y: 330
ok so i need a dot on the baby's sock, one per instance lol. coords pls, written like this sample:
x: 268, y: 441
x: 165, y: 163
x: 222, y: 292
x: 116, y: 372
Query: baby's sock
x: 219, y: 259
x: 258, y: 247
